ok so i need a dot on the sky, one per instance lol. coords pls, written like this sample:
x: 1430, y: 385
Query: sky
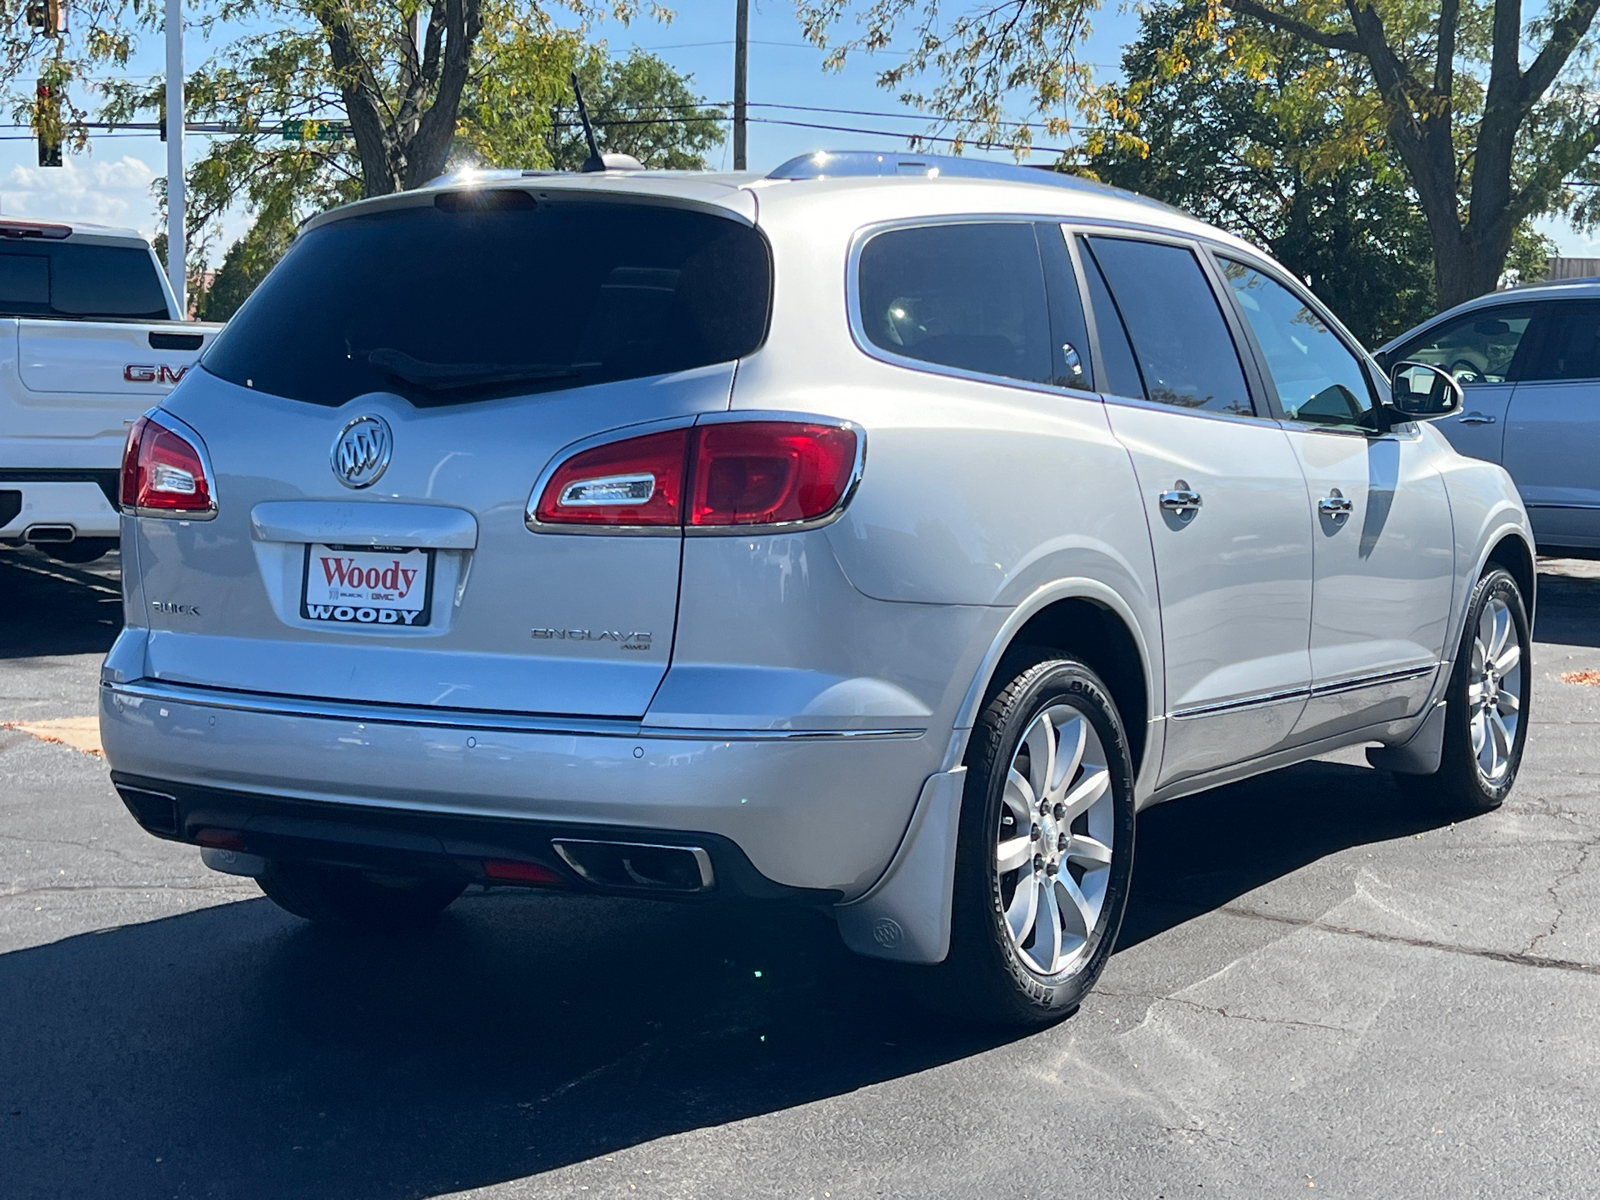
x: 111, y: 183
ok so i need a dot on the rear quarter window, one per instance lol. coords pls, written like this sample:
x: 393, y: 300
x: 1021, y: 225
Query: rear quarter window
x: 965, y: 295
x: 500, y: 294
x: 80, y: 280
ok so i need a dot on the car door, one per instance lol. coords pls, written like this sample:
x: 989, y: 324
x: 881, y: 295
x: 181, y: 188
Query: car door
x: 1552, y: 438
x: 1485, y: 350
x: 1224, y: 497
x: 1384, y: 544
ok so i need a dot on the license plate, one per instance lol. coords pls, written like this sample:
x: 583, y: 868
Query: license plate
x: 367, y: 587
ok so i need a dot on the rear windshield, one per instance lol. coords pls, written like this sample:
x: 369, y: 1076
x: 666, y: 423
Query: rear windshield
x: 78, y: 280
x: 451, y: 303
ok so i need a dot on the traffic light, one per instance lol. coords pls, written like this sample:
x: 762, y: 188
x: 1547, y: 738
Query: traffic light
x: 49, y: 17
x: 47, y: 122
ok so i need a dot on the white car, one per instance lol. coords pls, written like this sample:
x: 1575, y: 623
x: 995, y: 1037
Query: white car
x: 90, y: 337
x: 880, y: 534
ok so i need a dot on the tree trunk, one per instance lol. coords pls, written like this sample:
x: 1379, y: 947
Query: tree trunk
x: 1467, y: 265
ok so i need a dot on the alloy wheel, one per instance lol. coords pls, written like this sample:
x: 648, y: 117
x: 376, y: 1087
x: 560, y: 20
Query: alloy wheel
x: 1055, y: 837
x: 1494, y: 690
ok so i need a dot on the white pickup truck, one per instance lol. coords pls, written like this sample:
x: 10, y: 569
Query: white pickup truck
x: 90, y: 337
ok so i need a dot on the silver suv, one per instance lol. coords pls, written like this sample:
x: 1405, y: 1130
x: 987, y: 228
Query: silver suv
x: 879, y: 535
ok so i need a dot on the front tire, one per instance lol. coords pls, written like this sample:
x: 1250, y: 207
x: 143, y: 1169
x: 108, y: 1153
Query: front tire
x: 1486, y: 710
x: 1045, y: 852
x: 357, y: 901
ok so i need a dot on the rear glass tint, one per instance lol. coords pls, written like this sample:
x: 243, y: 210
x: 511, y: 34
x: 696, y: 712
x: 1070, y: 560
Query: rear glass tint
x: 75, y: 279
x: 969, y: 296
x: 451, y: 303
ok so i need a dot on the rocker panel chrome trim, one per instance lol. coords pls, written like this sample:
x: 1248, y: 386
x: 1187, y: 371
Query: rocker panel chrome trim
x: 1333, y: 688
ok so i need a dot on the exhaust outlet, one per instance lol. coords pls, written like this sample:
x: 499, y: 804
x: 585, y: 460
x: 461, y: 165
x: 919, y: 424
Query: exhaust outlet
x: 49, y: 534
x: 635, y: 866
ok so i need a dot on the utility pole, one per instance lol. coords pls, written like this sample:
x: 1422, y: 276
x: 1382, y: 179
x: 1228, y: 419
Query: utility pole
x: 741, y: 79
x: 177, y: 273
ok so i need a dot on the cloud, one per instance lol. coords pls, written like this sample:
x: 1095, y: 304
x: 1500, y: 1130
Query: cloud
x: 106, y: 192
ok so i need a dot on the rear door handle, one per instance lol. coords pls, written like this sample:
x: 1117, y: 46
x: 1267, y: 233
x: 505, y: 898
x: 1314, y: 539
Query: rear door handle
x: 1477, y: 418
x: 1182, y: 498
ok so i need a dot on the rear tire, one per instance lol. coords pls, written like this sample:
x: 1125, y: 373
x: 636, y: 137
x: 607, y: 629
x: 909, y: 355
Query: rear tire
x: 79, y: 550
x: 1037, y: 909
x: 1486, y: 709
x: 343, y: 898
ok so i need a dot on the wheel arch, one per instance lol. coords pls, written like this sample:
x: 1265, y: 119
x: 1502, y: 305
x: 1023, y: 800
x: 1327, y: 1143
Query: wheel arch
x: 1094, y: 624
x: 1513, y: 552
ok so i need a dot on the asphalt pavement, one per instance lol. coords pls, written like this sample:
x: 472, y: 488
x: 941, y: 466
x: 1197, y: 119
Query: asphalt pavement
x: 1319, y: 989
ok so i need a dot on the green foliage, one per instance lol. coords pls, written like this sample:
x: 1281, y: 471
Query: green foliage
x: 1265, y: 137
x: 245, y: 265
x: 514, y: 109
x: 1491, y: 117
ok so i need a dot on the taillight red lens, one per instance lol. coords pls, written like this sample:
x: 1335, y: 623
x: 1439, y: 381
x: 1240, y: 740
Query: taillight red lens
x: 638, y: 481
x: 162, y: 471
x: 130, y: 463
x: 768, y: 472
x: 737, y: 473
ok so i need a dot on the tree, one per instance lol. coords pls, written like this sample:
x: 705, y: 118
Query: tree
x: 1484, y: 143
x: 512, y: 109
x: 1264, y: 138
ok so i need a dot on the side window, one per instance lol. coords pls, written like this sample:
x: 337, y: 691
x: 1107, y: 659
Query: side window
x: 1181, y: 342
x: 1069, y: 340
x: 1319, y: 380
x: 1570, y: 346
x: 1116, y: 352
x: 969, y: 296
x: 1480, y: 347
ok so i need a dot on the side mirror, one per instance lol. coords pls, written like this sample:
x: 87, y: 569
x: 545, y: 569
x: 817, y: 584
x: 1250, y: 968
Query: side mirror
x: 1423, y: 392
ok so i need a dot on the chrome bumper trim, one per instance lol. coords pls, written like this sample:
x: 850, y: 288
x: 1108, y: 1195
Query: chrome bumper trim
x: 469, y: 719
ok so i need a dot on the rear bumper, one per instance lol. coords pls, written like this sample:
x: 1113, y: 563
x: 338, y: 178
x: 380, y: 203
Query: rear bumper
x: 814, y: 813
x: 78, y: 499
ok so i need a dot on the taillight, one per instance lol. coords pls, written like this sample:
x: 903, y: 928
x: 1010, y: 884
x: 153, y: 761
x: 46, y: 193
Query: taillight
x: 738, y: 473
x: 769, y: 472
x: 162, y: 472
x: 634, y: 482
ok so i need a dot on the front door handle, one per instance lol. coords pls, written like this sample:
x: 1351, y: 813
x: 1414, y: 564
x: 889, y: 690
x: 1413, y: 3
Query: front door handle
x: 1477, y: 418
x: 1336, y: 505
x: 1181, y: 499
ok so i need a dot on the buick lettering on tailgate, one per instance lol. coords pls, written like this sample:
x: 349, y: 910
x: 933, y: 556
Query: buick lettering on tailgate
x: 366, y: 586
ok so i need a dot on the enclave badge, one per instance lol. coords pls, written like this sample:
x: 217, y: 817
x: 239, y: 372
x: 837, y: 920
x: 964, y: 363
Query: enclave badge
x: 361, y: 451
x: 630, y: 640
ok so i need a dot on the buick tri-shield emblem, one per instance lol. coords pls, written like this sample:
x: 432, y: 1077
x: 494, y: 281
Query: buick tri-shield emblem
x: 361, y: 451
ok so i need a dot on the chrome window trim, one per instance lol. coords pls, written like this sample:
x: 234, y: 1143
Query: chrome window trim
x: 858, y: 330
x: 1334, y: 687
x: 159, y: 416
x: 473, y: 720
x: 721, y: 417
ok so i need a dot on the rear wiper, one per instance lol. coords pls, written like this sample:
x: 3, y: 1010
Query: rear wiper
x: 443, y: 376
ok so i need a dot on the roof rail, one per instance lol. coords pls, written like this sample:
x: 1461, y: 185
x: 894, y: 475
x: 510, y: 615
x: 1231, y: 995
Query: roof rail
x: 845, y: 164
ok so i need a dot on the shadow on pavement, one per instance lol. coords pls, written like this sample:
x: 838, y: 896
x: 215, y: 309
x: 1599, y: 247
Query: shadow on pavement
x: 1569, y: 598
x: 1197, y: 854
x: 236, y: 1052
x: 53, y: 609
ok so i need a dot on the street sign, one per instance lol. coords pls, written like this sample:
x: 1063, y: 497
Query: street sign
x: 316, y: 131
